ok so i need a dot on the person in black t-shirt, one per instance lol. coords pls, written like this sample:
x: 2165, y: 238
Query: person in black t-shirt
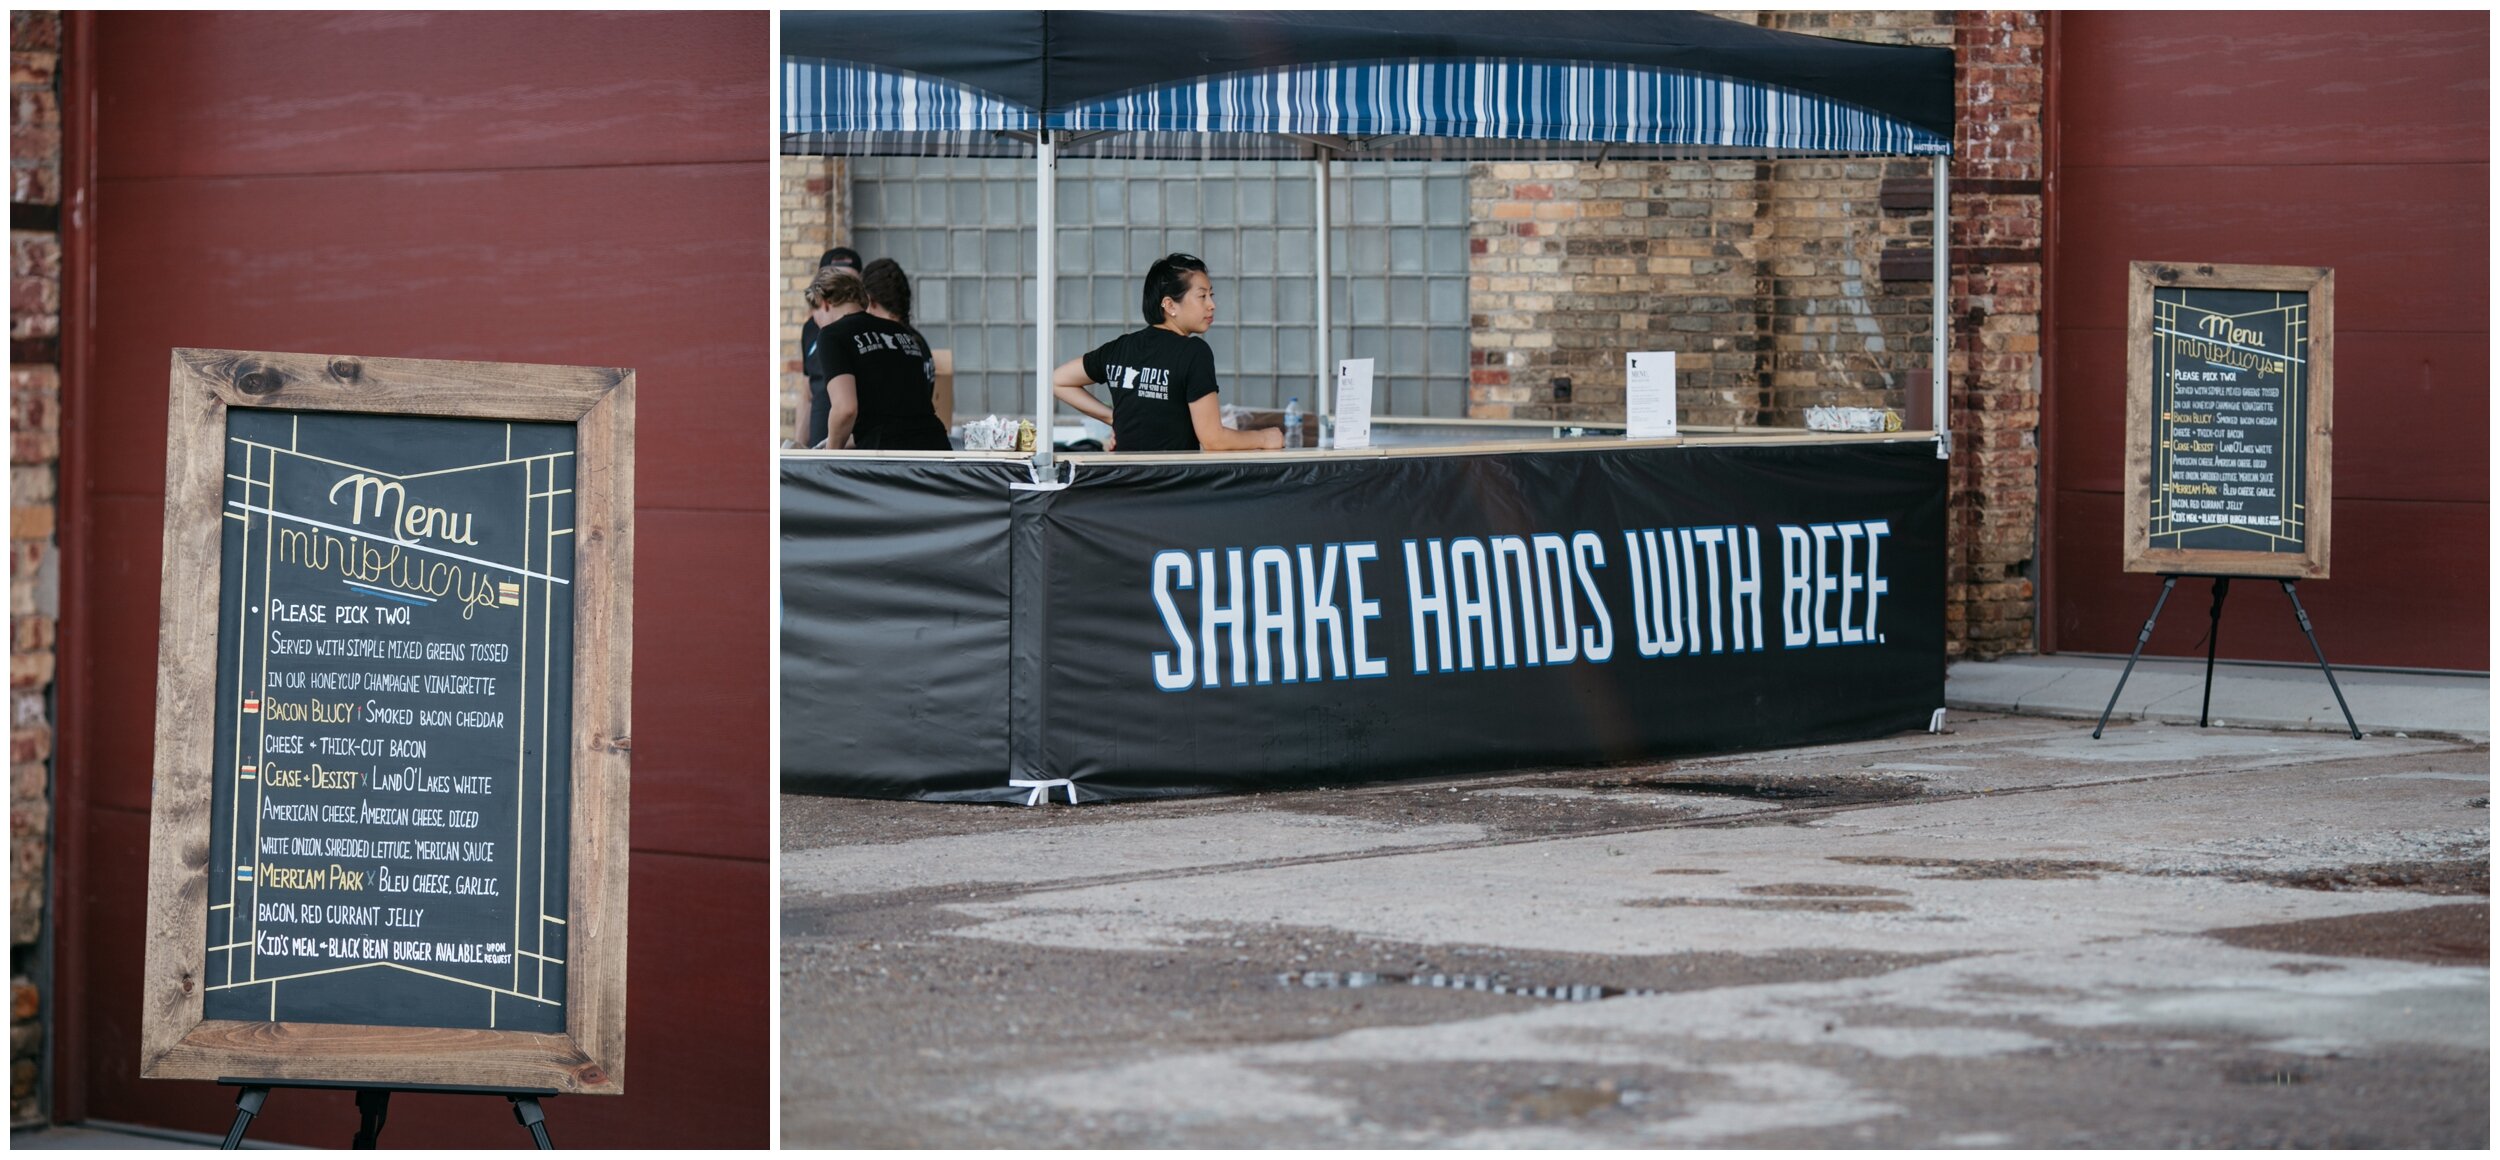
x: 839, y: 257
x: 1162, y: 378
x: 880, y: 381
x: 834, y: 295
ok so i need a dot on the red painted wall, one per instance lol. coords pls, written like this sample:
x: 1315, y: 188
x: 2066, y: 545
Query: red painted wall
x: 2359, y: 141
x: 560, y: 188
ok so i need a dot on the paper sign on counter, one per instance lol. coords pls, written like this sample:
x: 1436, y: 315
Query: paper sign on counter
x: 1354, y: 403
x: 1649, y: 394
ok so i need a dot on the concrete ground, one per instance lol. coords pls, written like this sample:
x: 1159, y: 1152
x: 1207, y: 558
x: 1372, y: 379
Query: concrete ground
x: 2005, y: 935
x: 2265, y: 696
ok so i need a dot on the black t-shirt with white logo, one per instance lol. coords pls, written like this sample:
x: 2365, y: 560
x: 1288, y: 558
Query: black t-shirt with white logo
x: 895, y: 379
x: 1154, y: 375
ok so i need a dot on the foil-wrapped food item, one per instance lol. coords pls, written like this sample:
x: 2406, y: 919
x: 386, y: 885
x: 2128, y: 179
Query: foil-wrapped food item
x: 993, y: 433
x: 1856, y: 419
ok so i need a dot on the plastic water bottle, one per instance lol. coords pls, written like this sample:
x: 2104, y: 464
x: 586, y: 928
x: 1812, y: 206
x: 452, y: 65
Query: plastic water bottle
x: 1293, y: 422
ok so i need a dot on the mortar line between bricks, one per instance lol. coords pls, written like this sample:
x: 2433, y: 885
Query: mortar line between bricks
x: 1022, y: 890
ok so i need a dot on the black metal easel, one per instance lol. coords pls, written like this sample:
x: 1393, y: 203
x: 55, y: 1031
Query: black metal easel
x: 2213, y: 641
x: 373, y: 1106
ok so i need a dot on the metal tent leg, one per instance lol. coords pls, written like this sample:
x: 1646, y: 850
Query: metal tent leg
x: 1940, y: 287
x: 1045, y: 289
x: 1320, y: 305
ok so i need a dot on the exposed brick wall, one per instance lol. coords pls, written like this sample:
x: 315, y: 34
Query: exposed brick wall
x: 34, y: 475
x: 815, y: 217
x: 1761, y: 276
x: 1764, y: 277
x: 34, y: 109
x: 1994, y: 507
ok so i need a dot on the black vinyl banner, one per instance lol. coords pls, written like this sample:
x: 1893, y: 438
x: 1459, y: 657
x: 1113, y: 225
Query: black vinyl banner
x: 1263, y: 624
x: 1163, y: 629
x: 894, y: 627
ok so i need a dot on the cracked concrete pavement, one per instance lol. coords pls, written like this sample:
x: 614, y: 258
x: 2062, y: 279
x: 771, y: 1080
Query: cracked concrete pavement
x: 2008, y: 935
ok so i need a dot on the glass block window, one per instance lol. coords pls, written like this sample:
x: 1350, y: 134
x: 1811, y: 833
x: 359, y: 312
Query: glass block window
x: 1399, y: 263
x: 963, y: 229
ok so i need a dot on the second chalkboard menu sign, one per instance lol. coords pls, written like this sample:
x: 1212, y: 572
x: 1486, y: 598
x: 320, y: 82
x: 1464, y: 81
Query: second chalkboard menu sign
x: 389, y: 836
x: 2230, y: 373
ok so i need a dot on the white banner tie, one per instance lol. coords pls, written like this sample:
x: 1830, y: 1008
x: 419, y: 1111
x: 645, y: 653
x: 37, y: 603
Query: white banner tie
x: 1047, y: 484
x: 1041, y: 788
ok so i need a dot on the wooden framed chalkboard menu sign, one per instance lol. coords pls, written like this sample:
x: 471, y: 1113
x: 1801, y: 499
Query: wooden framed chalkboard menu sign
x: 2230, y: 405
x: 389, y: 836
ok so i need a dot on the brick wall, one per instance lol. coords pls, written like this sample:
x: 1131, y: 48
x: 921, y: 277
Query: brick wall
x: 1767, y: 280
x: 34, y: 458
x: 1762, y: 276
x: 1999, y: 164
x: 815, y: 217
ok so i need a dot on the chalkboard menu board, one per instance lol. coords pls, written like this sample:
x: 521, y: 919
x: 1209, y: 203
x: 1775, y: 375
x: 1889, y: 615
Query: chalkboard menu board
x: 389, y: 835
x: 394, y: 686
x: 2231, y: 377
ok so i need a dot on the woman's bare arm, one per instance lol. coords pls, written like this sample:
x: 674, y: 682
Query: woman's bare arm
x: 1206, y: 417
x: 1069, y: 383
x: 841, y: 410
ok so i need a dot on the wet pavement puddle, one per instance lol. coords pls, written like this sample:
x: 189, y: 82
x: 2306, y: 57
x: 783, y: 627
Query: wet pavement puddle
x: 1821, y: 890
x: 2457, y: 934
x: 1822, y: 905
x: 1986, y: 868
x: 1750, y: 791
x: 1483, y: 984
x: 1776, y: 789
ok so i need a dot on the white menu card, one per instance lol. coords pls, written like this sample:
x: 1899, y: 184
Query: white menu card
x: 1649, y: 394
x: 1354, y: 403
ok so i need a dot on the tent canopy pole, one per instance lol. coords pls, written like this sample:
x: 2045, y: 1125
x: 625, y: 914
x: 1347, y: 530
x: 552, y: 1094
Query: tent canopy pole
x: 1319, y: 263
x: 1940, y: 356
x: 1045, y: 283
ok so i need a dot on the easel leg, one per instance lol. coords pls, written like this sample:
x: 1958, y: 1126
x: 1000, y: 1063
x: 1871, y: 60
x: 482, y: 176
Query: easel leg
x: 373, y: 1105
x: 2213, y: 641
x: 2303, y: 615
x: 246, y: 1105
x: 526, y: 1110
x: 2167, y: 582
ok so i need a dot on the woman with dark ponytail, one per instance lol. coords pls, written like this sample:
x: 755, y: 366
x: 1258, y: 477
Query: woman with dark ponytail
x: 881, y: 380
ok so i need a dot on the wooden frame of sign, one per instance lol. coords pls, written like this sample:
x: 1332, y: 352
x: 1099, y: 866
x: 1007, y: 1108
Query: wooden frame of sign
x: 2226, y: 367
x: 356, y: 1008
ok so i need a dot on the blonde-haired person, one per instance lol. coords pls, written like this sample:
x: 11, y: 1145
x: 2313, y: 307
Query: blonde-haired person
x: 836, y: 293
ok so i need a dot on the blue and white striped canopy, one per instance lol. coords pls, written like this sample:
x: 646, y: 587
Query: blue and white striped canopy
x: 1380, y: 108
x: 1506, y: 100
x: 829, y: 97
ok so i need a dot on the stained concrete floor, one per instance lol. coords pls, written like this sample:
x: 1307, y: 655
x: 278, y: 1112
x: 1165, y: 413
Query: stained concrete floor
x: 2008, y: 935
